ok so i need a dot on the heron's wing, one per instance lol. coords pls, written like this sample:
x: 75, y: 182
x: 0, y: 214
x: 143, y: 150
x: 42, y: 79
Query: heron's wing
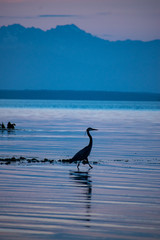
x: 82, y: 154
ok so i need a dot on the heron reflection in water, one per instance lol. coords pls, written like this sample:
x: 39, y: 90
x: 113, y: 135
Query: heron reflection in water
x: 82, y: 179
x: 83, y: 154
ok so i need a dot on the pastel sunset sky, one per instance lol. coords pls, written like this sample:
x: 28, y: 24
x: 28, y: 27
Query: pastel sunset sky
x: 108, y: 19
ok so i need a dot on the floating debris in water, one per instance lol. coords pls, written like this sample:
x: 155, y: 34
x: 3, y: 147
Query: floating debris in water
x: 34, y: 160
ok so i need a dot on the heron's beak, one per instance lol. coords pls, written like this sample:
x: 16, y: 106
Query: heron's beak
x: 94, y: 129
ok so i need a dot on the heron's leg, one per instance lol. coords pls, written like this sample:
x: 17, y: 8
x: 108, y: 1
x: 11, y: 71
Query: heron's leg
x: 78, y: 165
x: 89, y: 163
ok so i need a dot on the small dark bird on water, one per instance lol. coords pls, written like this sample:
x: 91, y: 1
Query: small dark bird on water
x: 11, y: 125
x: 83, y: 154
x: 2, y: 126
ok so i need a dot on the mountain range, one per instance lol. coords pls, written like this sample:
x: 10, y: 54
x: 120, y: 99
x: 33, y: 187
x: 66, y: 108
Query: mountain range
x: 68, y: 58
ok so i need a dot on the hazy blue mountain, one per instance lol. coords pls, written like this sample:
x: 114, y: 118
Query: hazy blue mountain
x: 68, y: 58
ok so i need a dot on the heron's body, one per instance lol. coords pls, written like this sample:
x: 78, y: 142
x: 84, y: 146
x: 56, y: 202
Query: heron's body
x: 85, y: 152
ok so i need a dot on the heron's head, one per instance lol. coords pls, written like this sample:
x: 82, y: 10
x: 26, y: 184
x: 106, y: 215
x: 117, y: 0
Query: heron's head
x: 91, y: 129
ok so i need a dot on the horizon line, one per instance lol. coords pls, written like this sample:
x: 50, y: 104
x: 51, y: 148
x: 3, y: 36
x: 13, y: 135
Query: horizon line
x: 91, y: 91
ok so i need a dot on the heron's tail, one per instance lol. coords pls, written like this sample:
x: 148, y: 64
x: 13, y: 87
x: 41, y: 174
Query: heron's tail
x: 72, y: 160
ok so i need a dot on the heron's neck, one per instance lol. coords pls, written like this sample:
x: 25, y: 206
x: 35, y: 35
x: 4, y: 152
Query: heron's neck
x: 90, y: 138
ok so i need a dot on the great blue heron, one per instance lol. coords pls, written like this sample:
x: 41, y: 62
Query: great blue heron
x: 84, y: 153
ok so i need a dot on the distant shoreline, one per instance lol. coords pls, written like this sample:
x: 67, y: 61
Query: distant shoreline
x: 78, y: 95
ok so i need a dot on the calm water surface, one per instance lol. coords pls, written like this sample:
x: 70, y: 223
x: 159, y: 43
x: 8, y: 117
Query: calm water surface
x: 118, y: 199
x: 56, y: 129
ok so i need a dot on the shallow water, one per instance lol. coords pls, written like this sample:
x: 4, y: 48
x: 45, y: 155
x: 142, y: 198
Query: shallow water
x: 59, y: 132
x: 119, y: 201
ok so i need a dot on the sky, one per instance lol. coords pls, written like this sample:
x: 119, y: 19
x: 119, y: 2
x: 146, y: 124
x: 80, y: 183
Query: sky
x: 108, y: 19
